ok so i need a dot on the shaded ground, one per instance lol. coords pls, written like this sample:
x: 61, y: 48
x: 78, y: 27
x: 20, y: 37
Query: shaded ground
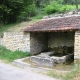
x: 9, y: 72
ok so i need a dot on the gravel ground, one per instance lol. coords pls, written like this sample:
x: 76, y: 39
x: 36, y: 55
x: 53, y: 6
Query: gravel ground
x: 9, y: 72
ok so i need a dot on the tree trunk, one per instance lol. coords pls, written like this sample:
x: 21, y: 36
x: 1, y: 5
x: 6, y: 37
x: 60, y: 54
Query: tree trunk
x: 76, y: 2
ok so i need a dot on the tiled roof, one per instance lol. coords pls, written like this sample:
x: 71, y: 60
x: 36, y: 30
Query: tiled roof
x: 57, y: 24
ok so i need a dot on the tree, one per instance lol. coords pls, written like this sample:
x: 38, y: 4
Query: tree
x: 9, y: 10
x: 29, y: 10
x: 76, y: 2
x: 41, y: 3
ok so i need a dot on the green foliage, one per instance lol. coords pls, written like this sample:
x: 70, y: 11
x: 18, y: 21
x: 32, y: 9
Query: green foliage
x: 59, y: 1
x: 27, y: 12
x: 20, y: 10
x: 53, y: 8
x: 70, y: 1
x: 9, y: 10
x: 39, y: 16
x: 69, y: 7
x: 57, y: 7
x: 10, y: 56
x: 42, y: 3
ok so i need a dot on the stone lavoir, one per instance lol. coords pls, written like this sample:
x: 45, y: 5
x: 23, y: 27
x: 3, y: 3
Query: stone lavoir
x: 54, y: 47
x: 59, y: 35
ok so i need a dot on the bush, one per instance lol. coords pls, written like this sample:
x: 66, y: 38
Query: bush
x: 53, y: 8
x: 56, y: 7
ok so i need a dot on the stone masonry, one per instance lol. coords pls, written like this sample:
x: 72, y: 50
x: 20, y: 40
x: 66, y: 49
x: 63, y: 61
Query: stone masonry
x: 16, y: 41
x: 77, y: 45
x: 56, y: 39
x: 28, y: 42
x: 39, y: 42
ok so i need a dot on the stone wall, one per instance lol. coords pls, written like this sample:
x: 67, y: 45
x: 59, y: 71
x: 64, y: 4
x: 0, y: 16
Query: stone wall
x: 48, y: 41
x: 58, y: 39
x: 26, y: 40
x: 16, y: 41
x: 39, y: 42
x: 77, y: 45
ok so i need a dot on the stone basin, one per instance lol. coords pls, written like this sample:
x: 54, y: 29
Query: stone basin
x: 44, y: 59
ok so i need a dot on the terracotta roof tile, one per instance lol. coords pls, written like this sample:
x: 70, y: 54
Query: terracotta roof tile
x: 58, y: 24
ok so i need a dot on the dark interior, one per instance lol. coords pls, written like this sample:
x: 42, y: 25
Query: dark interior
x: 62, y: 50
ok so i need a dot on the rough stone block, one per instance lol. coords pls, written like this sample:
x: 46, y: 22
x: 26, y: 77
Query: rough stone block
x: 46, y: 54
x: 41, y: 61
x: 69, y: 58
x: 76, y: 57
x: 59, y: 59
x: 51, y: 61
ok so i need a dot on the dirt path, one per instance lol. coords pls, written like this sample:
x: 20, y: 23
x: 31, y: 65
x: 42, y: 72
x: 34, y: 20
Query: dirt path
x: 9, y: 72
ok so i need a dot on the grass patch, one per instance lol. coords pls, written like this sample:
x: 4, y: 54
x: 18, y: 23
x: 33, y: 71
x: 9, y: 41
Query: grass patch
x: 16, y: 27
x: 57, y: 74
x: 39, y: 16
x: 5, y: 27
x: 9, y: 56
x: 74, y: 74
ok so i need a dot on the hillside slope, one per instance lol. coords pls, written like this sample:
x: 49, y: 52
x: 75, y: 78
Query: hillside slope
x: 21, y: 26
x: 16, y: 27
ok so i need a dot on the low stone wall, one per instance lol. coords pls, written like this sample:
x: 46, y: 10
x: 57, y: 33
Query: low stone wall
x: 16, y: 41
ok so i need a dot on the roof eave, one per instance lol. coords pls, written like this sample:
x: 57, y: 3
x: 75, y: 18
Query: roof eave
x: 69, y: 30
